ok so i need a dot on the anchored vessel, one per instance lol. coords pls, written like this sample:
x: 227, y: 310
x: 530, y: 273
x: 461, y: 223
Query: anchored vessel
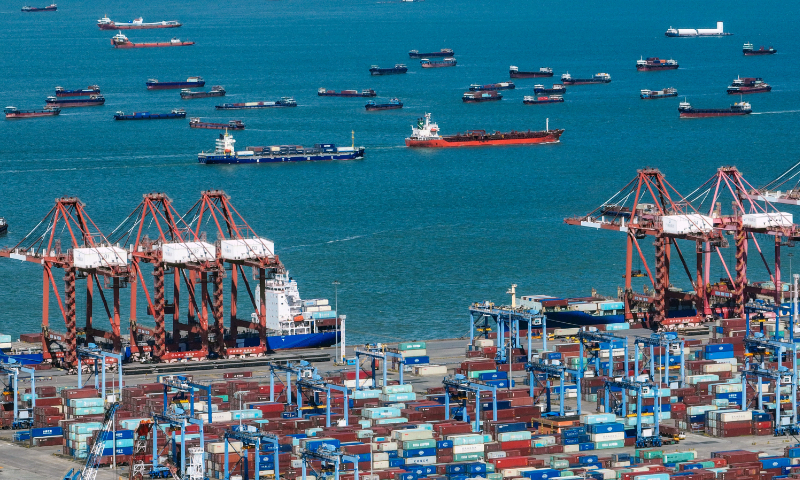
x: 121, y: 41
x: 549, y: 99
x: 655, y: 63
x: 92, y: 101
x: 696, y: 32
x: 397, y: 69
x: 748, y: 50
x: 14, y: 112
x: 445, y: 52
x: 652, y: 94
x: 393, y: 104
x: 216, y: 91
x: 567, y: 79
x: 745, y: 85
x: 195, y: 122
x: 492, y: 86
x: 543, y: 72
x: 175, y: 113
x: 3, y: 226
x: 283, y: 102
x: 738, y: 108
x: 90, y: 90
x: 346, y: 93
x: 426, y: 134
x: 225, y: 153
x: 447, y: 62
x: 481, y: 96
x: 556, y: 88
x: 106, y: 23
x: 191, y: 82
x: 50, y: 8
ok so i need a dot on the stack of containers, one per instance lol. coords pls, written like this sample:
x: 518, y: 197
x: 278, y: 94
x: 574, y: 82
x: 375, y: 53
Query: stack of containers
x: 604, y: 430
x: 5, y: 342
x: 719, y: 351
x: 729, y: 423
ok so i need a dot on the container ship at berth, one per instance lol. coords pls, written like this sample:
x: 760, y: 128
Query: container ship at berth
x: 426, y: 134
x: 346, y: 93
x: 492, y: 86
x: 396, y: 70
x: 696, y: 32
x: 655, y: 63
x: 536, y: 100
x: 480, y: 96
x: 445, y: 52
x: 91, y: 101
x: 283, y: 102
x: 567, y: 79
x: 748, y: 50
x: 191, y: 82
x: 393, y: 104
x: 543, y: 72
x: 224, y: 153
x: 215, y: 91
x: 653, y: 94
x: 446, y: 62
x: 106, y: 23
x: 14, y: 112
x: 90, y: 90
x: 741, y: 86
x: 556, y: 88
x: 175, y: 113
x: 50, y: 8
x: 196, y: 122
x: 121, y: 41
x: 738, y: 108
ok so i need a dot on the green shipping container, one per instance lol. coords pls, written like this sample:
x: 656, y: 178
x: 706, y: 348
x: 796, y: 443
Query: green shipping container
x: 567, y: 473
x: 477, y: 373
x: 468, y: 457
x: 411, y: 346
x: 648, y: 454
x: 559, y: 464
x: 494, y: 476
x: 675, y: 457
x: 609, y: 444
x: 415, y: 444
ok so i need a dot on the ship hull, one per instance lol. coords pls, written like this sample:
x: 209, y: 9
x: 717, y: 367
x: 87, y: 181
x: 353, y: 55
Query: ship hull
x: 231, y: 160
x: 748, y: 90
x: 574, y: 319
x: 81, y: 103
x: 374, y: 108
x: 432, y: 54
x: 151, y: 45
x: 51, y: 113
x: 754, y: 53
x: 154, y: 116
x: 174, y: 85
x: 248, y: 107
x: 437, y: 65
x: 388, y: 71
x: 530, y: 74
x: 711, y: 113
x: 216, y: 126
x: 583, y: 81
x: 550, y: 90
x: 481, y: 100
x: 489, y: 88
x: 192, y: 96
x: 306, y: 340
x: 343, y: 94
x: 653, y: 68
x: 656, y: 96
x: 43, y: 9
x: 442, y: 143
x: 123, y: 26
x: 528, y: 102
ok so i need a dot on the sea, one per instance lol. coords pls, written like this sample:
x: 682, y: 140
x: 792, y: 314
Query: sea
x: 413, y: 236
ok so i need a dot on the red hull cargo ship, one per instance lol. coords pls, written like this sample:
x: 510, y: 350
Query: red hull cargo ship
x: 741, y: 86
x: 749, y: 51
x: 655, y: 63
x: 14, y: 112
x: 426, y: 134
x: 106, y: 23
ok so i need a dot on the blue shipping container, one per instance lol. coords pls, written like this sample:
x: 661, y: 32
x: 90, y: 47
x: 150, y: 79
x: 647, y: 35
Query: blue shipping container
x: 606, y: 428
x: 587, y: 459
x: 47, y: 432
x: 396, y: 462
x: 508, y: 427
x: 444, y: 444
x: 493, y: 376
x: 719, y: 355
x: 586, y: 446
x: 719, y: 347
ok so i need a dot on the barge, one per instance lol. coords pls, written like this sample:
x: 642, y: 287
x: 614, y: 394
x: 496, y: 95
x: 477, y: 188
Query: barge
x: 175, y: 113
x: 216, y: 91
x: 556, y: 88
x: 106, y: 23
x: 447, y: 62
x: 191, y: 82
x: 742, y: 86
x: 50, y: 8
x: 283, y: 102
x: 322, y: 92
x: 445, y: 52
x: 90, y: 90
x: 748, y: 50
x: 393, y: 104
x: 654, y: 64
x: 196, y: 122
x: 121, y: 41
x: 481, y: 96
x: 14, y: 112
x: 514, y: 72
x: 492, y: 86
x: 225, y: 153
x: 396, y: 70
x: 567, y: 79
x: 653, y: 94
x: 739, y: 108
x: 426, y: 134
x: 92, y: 101
x: 536, y: 100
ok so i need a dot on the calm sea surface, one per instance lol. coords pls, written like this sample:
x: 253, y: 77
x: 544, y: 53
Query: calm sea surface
x: 413, y: 236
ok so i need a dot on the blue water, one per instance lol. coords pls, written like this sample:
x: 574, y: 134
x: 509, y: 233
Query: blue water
x: 412, y: 235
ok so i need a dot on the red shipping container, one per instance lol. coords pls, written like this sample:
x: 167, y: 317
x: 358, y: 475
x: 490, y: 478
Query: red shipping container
x: 509, y: 462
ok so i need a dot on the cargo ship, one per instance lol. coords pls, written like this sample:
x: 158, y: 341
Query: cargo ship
x: 396, y: 70
x: 191, y: 82
x: 697, y: 32
x: 216, y: 91
x: 445, y: 52
x: 175, y: 113
x: 738, y: 108
x: 50, y: 8
x: 426, y: 134
x: 3, y: 226
x: 567, y: 79
x: 392, y: 105
x: 92, y: 101
x: 446, y: 62
x: 121, y: 41
x: 346, y: 93
x: 283, y: 102
x: 480, y: 96
x: 543, y: 72
x: 224, y: 153
x: 14, y: 112
x: 195, y: 122
x: 556, y: 88
x: 90, y: 90
x: 492, y: 86
x: 748, y: 50
x: 653, y: 94
x: 536, y: 100
x: 741, y: 86
x: 106, y: 23
x: 655, y: 63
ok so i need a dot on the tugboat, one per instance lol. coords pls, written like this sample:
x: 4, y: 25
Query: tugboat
x: 216, y: 91
x: 445, y: 52
x: 283, y: 102
x: 447, y: 62
x: 738, y: 108
x: 195, y: 122
x: 92, y: 101
x: 14, y: 112
x: 567, y: 79
x: 175, y: 113
x: 224, y: 153
x: 741, y: 86
x: 426, y: 134
x: 3, y: 226
x: 398, y: 69
x: 393, y: 104
x: 346, y: 93
x: 90, y: 90
x: 106, y: 23
x: 492, y: 86
x: 557, y: 88
x: 748, y: 50
x: 121, y: 41
x: 653, y: 94
x: 655, y: 63
x: 50, y: 8
x: 480, y: 96
x: 543, y: 72
x: 191, y: 82
x: 536, y: 100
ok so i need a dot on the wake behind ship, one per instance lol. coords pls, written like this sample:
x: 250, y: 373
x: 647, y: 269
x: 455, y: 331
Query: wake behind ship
x: 426, y: 134
x: 225, y: 153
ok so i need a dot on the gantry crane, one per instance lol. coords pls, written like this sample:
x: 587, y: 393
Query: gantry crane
x: 460, y: 383
x: 89, y: 470
x: 671, y: 345
x: 13, y: 370
x: 328, y: 455
x: 540, y: 374
x: 640, y: 389
x: 594, y: 343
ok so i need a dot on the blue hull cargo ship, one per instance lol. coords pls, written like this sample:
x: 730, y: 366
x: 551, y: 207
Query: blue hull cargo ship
x: 175, y: 113
x: 224, y: 153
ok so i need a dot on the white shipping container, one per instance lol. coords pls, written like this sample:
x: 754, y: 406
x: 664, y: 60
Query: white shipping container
x: 380, y: 456
x: 385, y: 446
x: 414, y: 353
x: 484, y: 342
x: 412, y: 434
x: 717, y: 367
x: 424, y: 370
x: 736, y: 416
x: 421, y: 460
x: 380, y: 465
x: 685, y: 224
x: 188, y: 252
x: 572, y: 448
x: 764, y: 220
x: 247, y: 248
x: 603, y: 437
x: 501, y: 454
x: 95, y: 257
x: 468, y: 448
